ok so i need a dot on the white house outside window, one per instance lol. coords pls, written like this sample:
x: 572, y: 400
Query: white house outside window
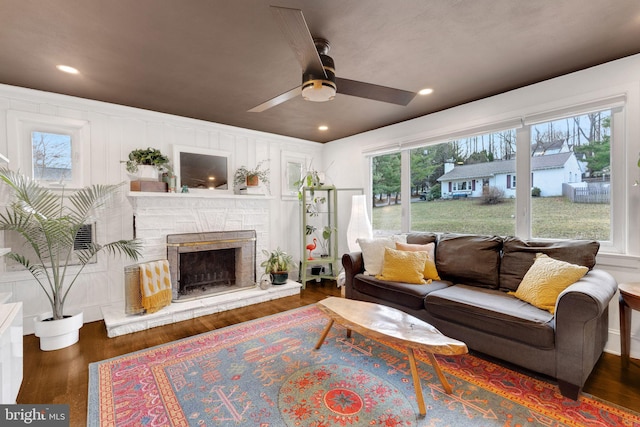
x: 559, y: 186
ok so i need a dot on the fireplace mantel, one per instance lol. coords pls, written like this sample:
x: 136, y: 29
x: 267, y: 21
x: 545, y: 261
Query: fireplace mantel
x: 140, y: 197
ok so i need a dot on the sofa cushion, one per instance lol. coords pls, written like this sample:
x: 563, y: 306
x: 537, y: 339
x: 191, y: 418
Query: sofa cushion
x: 546, y: 279
x: 373, y: 252
x: 421, y: 238
x: 403, y: 266
x: 494, y: 312
x: 469, y: 259
x: 405, y: 294
x: 429, y: 271
x: 518, y: 256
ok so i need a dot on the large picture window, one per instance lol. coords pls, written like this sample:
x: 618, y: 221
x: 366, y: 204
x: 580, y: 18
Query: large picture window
x: 559, y: 186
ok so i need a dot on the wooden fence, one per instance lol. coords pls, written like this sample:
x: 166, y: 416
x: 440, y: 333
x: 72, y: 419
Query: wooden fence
x: 593, y: 192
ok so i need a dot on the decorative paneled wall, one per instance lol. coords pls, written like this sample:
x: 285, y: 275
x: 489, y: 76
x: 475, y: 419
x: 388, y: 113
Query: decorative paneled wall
x: 115, y: 131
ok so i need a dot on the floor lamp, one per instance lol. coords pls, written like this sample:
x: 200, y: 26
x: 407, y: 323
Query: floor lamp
x: 359, y: 224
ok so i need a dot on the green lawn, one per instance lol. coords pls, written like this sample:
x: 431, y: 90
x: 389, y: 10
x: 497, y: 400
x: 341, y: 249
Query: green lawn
x: 553, y: 217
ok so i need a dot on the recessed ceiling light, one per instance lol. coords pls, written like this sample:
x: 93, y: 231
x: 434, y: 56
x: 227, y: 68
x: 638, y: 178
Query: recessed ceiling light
x: 323, y: 127
x: 67, y: 69
x: 425, y: 91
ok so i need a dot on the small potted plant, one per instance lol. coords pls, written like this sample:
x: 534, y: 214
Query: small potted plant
x: 277, y: 265
x: 311, y: 179
x: 147, y: 163
x: 252, y: 177
x: 327, y: 231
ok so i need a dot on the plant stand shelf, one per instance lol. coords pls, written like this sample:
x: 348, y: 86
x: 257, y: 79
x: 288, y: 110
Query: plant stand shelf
x: 319, y: 234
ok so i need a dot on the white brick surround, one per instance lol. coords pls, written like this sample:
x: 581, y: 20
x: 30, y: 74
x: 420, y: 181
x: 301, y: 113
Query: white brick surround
x: 159, y: 214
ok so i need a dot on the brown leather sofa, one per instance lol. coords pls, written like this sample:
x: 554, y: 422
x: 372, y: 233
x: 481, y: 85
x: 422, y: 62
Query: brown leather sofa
x: 472, y: 304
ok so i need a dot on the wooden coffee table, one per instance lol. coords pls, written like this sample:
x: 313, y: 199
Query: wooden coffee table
x: 388, y: 324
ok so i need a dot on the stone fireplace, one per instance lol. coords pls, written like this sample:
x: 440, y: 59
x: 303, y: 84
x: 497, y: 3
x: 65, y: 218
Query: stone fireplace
x: 210, y: 263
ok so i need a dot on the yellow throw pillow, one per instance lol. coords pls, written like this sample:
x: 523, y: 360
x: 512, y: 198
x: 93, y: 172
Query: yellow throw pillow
x: 403, y: 266
x: 546, y: 279
x: 430, y: 271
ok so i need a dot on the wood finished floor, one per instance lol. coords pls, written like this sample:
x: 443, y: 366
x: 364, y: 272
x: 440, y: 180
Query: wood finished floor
x: 61, y: 376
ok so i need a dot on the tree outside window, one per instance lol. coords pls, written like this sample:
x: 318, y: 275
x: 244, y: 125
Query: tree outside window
x: 468, y: 185
x: 51, y: 156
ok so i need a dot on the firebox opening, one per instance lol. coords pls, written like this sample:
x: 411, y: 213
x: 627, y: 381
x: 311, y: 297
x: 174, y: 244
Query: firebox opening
x: 213, y: 262
x: 207, y: 272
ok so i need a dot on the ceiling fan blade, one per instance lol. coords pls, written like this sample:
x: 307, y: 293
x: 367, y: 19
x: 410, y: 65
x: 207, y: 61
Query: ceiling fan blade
x: 277, y: 100
x: 296, y: 31
x: 375, y: 92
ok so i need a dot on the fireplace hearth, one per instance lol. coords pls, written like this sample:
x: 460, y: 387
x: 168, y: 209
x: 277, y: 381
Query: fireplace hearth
x: 210, y: 263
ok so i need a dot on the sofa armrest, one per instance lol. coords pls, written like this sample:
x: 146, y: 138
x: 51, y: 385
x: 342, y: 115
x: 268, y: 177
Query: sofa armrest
x: 582, y: 323
x: 353, y: 264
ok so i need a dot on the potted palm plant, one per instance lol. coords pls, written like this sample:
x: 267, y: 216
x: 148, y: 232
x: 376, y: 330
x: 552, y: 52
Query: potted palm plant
x: 277, y: 265
x: 49, y: 222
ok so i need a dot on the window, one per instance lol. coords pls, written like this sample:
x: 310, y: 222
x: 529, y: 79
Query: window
x: 51, y: 157
x: 461, y: 186
x: 571, y: 168
x: 387, y: 212
x: 53, y: 150
x: 559, y: 187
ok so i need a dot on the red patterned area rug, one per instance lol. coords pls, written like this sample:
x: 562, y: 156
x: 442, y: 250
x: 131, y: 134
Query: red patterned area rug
x: 266, y: 373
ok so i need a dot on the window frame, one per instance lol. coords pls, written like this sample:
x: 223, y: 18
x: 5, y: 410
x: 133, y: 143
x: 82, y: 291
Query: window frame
x: 522, y: 126
x: 21, y: 124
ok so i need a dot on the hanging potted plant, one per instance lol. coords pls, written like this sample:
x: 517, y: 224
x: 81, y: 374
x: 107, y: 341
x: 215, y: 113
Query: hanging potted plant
x: 252, y: 177
x: 277, y: 265
x: 49, y: 222
x: 146, y: 164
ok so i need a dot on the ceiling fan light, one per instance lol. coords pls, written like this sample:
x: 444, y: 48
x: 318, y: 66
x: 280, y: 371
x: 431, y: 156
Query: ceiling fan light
x: 318, y: 90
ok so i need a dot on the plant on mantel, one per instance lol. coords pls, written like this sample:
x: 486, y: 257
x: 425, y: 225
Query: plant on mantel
x: 49, y: 221
x: 252, y: 177
x: 147, y: 157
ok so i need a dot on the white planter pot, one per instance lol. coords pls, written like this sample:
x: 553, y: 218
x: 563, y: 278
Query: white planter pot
x: 145, y: 173
x: 57, y: 334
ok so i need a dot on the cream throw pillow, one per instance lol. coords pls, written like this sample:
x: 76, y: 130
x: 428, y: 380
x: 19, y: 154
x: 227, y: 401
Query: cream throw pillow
x: 546, y: 279
x: 403, y: 266
x: 430, y: 271
x: 373, y: 252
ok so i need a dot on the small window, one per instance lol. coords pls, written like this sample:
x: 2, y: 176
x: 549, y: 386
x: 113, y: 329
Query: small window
x: 53, y: 150
x: 51, y: 157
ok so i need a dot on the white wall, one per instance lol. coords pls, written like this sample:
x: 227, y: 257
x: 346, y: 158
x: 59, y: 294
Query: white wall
x: 115, y: 131
x: 604, y: 81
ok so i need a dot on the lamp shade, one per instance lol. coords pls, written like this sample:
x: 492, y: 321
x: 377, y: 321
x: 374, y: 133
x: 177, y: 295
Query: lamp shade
x: 359, y: 224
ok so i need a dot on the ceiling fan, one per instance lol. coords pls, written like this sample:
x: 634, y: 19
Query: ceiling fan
x: 319, y: 82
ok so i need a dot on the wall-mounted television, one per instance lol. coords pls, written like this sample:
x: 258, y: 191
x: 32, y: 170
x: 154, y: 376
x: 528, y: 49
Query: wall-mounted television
x: 202, y: 169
